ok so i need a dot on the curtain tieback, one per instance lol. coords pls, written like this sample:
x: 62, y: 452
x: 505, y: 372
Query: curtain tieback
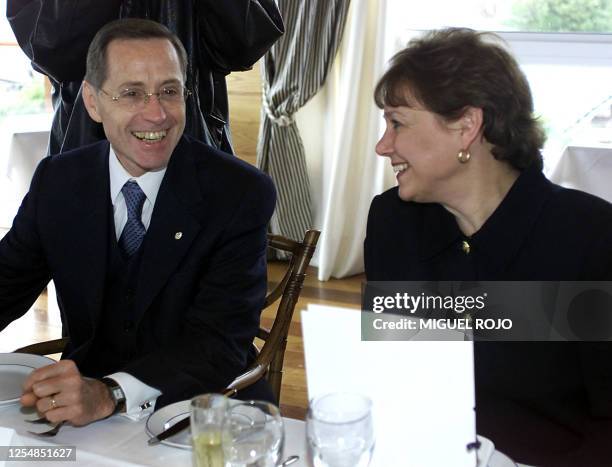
x: 280, y: 120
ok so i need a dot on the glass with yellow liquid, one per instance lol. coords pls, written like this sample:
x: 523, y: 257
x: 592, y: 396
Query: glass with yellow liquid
x: 207, y: 450
x: 208, y: 413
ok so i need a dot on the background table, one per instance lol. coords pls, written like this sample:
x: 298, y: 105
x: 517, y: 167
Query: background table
x: 23, y: 143
x: 586, y: 168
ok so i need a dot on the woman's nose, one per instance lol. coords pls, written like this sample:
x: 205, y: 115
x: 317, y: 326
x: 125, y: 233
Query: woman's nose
x: 384, y: 147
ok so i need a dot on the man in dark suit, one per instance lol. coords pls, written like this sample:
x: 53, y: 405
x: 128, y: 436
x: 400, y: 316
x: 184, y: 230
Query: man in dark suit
x: 156, y: 244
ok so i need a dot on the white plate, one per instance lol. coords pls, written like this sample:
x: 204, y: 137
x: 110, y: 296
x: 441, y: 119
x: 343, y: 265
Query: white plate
x: 167, y: 416
x: 485, y: 451
x: 14, y: 369
x: 499, y: 459
x: 489, y: 457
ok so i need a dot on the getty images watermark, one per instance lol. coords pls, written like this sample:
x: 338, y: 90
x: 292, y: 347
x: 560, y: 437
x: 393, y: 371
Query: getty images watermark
x: 487, y: 311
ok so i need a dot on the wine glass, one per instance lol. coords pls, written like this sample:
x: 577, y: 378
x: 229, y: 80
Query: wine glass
x: 253, y: 435
x: 339, y: 430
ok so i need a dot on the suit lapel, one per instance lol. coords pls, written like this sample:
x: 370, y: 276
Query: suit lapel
x: 174, y: 226
x: 91, y: 213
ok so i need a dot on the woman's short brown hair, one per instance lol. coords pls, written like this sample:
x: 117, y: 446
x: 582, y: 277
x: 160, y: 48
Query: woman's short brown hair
x: 449, y: 70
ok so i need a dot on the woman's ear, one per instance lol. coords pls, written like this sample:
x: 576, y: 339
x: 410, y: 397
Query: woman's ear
x: 471, y: 125
x: 90, y: 99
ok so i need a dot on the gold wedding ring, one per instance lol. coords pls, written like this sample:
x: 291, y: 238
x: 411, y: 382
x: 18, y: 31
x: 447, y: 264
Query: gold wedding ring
x: 53, y: 404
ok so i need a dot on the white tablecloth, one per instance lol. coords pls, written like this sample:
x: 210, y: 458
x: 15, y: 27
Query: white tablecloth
x: 586, y: 168
x: 118, y: 441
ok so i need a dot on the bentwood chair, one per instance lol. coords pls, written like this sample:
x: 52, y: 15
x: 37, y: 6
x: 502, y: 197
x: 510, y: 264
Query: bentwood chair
x: 269, y: 361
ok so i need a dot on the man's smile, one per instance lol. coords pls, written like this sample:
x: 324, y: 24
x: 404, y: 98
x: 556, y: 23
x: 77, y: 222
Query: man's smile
x: 150, y: 136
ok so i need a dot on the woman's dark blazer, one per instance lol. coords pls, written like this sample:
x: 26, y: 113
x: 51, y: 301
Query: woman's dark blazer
x: 540, y: 402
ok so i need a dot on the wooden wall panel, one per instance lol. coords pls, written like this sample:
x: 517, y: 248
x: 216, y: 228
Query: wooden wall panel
x: 244, y: 92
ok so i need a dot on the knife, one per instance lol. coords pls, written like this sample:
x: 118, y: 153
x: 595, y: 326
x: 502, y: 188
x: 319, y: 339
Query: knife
x: 184, y: 423
x: 174, y: 429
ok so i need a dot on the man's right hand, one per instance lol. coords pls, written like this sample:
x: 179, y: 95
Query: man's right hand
x: 61, y: 393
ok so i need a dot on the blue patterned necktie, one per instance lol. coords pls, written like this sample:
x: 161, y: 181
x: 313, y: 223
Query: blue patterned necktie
x: 134, y: 230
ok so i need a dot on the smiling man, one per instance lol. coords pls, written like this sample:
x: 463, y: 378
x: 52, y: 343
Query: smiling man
x: 143, y: 126
x: 156, y: 244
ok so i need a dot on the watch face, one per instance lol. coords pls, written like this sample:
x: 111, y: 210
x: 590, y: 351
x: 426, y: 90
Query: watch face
x: 115, y: 390
x: 118, y: 394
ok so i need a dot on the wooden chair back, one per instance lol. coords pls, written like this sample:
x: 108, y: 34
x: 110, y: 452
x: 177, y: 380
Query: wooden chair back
x: 269, y: 362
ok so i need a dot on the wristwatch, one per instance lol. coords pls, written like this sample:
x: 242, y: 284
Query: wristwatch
x: 116, y: 393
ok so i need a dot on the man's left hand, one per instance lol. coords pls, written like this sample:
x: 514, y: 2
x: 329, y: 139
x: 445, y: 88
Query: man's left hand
x: 61, y: 393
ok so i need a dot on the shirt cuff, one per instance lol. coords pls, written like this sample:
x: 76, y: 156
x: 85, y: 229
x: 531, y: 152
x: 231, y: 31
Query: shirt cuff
x: 140, y: 398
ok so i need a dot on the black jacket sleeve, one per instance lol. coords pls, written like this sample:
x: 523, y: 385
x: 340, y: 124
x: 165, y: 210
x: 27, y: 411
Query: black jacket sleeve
x: 55, y: 34
x: 234, y: 34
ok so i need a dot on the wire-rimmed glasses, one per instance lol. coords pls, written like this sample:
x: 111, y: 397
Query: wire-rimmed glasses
x: 136, y: 99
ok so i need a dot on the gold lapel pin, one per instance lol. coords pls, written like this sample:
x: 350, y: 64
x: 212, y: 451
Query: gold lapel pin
x: 178, y: 235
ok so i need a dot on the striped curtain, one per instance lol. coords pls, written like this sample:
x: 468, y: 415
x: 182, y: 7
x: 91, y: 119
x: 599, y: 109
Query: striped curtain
x: 293, y: 71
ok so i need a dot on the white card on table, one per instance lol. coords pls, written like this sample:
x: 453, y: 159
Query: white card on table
x: 422, y: 391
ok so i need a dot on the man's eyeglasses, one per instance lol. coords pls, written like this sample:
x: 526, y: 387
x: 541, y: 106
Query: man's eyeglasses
x: 137, y: 99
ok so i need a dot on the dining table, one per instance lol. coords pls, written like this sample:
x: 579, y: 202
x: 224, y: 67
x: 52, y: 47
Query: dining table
x: 119, y: 441
x: 23, y: 143
x: 114, y: 441
x: 586, y: 167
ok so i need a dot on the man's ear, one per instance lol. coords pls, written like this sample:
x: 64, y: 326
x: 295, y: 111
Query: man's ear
x: 90, y: 99
x: 471, y: 125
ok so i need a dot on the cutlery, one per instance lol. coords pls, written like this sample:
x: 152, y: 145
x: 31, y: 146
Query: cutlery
x: 38, y: 420
x: 174, y: 429
x: 290, y: 460
x: 52, y: 432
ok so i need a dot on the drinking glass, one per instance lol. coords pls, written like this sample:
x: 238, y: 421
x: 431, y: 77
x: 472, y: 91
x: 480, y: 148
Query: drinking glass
x: 208, y: 413
x: 253, y: 435
x: 339, y: 430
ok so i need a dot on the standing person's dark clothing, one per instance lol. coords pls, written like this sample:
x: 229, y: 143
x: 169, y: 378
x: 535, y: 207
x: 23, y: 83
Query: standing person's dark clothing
x: 219, y: 36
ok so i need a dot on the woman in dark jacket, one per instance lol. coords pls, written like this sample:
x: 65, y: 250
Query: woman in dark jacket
x: 219, y: 36
x: 472, y: 204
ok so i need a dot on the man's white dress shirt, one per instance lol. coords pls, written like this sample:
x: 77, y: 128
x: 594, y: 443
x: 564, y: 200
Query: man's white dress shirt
x: 139, y: 397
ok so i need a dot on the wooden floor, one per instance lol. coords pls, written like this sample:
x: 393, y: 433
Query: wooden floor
x: 39, y: 325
